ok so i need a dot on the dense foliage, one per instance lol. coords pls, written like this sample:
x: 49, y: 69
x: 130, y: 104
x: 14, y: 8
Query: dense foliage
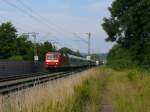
x: 119, y: 58
x: 43, y: 48
x: 66, y: 50
x: 129, y: 27
x: 95, y: 57
x: 14, y: 47
x: 8, y: 38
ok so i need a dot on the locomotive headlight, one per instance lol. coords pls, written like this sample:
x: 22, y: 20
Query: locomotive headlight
x: 47, y: 61
x: 56, y: 63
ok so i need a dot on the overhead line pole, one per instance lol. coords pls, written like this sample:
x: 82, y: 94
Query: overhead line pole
x: 34, y: 35
x: 89, y: 43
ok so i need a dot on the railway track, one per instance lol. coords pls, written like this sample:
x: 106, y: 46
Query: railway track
x: 13, y: 84
x: 15, y: 77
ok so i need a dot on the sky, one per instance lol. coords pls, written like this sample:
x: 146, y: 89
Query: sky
x: 65, y: 23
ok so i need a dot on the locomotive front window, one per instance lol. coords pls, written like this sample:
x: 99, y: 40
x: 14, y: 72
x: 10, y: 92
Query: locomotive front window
x: 51, y: 56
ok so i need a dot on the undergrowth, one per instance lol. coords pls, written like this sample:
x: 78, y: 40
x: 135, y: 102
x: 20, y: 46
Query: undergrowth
x: 78, y: 93
x: 88, y: 95
x: 130, y: 90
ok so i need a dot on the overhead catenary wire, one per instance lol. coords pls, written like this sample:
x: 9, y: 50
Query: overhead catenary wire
x: 9, y: 20
x: 34, y: 15
x: 43, y: 18
x: 37, y: 17
x: 29, y: 14
x: 81, y: 38
x: 18, y: 25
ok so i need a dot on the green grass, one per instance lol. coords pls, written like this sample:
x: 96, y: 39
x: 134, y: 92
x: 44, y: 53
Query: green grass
x: 88, y: 95
x: 130, y: 90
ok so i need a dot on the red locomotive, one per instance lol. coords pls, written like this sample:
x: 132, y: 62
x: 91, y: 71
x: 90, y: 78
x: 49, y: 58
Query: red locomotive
x: 56, y: 60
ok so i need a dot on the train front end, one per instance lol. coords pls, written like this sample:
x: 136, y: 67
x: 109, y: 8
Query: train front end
x: 52, y: 60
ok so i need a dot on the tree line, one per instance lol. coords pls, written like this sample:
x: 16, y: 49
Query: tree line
x: 15, y: 47
x: 20, y: 47
x: 129, y: 28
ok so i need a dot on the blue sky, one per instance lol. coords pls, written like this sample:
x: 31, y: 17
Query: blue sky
x: 60, y: 21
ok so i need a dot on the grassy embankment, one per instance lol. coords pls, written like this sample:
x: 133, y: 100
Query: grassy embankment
x: 129, y: 90
x: 78, y: 93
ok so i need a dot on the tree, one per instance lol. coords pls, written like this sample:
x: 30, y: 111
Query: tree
x: 14, y: 47
x: 129, y: 26
x: 95, y: 57
x: 66, y: 50
x: 7, y: 40
x: 119, y: 58
x: 23, y: 45
x: 26, y: 47
x: 43, y: 48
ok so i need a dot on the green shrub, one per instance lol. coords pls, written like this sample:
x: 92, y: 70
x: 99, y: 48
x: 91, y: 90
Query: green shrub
x: 131, y: 75
x: 82, y: 96
x: 88, y: 95
x: 16, y: 58
x: 130, y: 90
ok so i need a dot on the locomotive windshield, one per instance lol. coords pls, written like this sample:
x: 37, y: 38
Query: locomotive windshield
x: 51, y: 56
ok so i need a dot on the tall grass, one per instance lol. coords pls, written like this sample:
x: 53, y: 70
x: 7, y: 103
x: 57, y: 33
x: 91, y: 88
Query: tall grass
x: 130, y: 90
x: 56, y: 96
x: 88, y: 95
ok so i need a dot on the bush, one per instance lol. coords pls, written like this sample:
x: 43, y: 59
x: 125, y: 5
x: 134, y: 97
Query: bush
x: 119, y: 58
x: 16, y: 58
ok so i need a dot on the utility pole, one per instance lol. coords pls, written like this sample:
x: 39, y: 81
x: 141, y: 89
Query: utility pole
x: 34, y: 35
x: 35, y: 46
x: 89, y: 46
x: 89, y: 43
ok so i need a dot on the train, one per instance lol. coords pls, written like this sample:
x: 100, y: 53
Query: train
x: 57, y: 60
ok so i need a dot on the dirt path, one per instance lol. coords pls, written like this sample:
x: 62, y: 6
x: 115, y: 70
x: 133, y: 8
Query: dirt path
x: 106, y: 105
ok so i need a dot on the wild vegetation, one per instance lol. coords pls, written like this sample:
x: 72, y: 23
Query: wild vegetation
x: 19, y: 47
x: 78, y: 93
x: 129, y: 90
x: 129, y: 27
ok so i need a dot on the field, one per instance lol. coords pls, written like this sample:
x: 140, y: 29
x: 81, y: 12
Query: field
x: 91, y: 91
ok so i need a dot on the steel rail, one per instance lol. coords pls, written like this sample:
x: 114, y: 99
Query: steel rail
x: 15, y: 84
x: 14, y: 77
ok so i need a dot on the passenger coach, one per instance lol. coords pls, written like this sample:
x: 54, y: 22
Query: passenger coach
x: 56, y: 60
